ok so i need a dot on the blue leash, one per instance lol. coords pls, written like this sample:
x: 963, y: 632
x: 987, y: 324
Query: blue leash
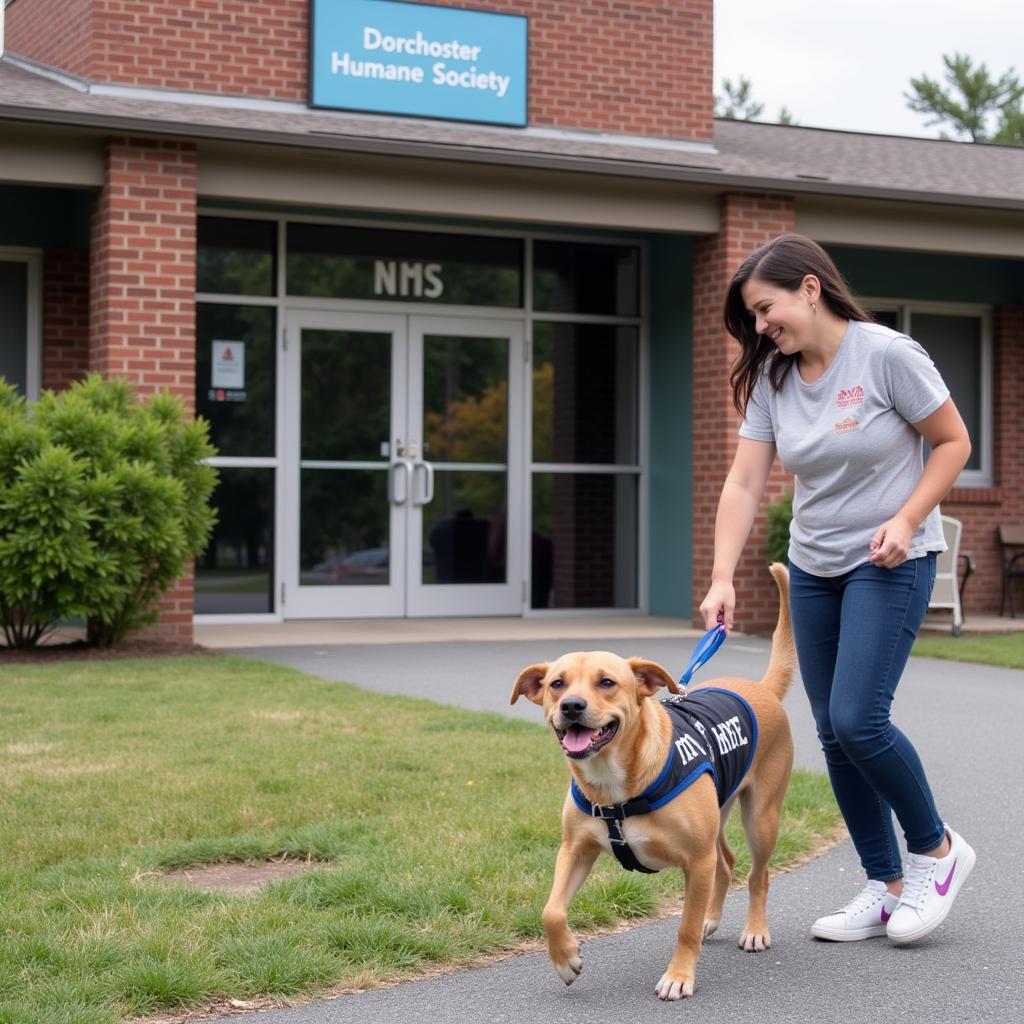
x: 709, y: 643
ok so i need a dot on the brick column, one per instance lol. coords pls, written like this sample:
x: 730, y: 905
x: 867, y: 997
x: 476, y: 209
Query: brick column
x: 747, y: 221
x: 142, y: 286
x: 65, y: 317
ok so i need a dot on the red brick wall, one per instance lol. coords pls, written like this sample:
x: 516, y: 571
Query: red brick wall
x: 65, y: 317
x: 142, y: 287
x: 747, y: 221
x: 983, y: 510
x: 637, y: 67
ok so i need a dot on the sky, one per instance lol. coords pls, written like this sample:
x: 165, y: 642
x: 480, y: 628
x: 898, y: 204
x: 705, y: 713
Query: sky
x: 847, y: 63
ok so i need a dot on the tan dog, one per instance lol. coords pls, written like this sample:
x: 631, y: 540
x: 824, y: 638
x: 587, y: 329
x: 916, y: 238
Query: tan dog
x: 618, y: 740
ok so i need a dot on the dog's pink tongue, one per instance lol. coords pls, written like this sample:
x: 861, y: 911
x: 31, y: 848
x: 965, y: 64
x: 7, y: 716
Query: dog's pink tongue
x: 577, y: 739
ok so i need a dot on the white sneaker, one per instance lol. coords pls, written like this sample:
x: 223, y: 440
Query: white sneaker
x: 864, y: 917
x: 930, y: 886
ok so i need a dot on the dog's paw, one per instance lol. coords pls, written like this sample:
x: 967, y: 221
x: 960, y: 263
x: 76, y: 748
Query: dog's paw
x: 669, y: 988
x: 755, y: 941
x: 569, y: 971
x: 711, y: 926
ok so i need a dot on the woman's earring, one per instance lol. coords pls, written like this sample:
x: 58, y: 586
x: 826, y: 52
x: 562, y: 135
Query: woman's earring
x: 814, y: 308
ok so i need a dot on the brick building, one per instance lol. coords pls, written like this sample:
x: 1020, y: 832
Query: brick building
x: 462, y: 353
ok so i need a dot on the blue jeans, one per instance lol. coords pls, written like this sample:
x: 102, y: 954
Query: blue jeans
x: 853, y: 636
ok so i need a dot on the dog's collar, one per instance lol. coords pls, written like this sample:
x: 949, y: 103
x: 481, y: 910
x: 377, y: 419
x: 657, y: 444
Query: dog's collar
x: 654, y: 796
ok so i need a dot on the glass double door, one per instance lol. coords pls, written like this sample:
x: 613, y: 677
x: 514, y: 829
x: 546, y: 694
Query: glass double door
x: 404, y: 466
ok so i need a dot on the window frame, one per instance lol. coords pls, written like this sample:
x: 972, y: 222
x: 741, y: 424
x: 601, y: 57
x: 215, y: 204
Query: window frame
x: 33, y: 258
x: 284, y: 302
x: 983, y: 443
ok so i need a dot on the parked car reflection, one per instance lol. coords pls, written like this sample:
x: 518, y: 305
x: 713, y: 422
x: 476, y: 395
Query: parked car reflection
x: 358, y: 568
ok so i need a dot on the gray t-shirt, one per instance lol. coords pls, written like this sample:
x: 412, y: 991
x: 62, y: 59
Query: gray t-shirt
x: 848, y: 440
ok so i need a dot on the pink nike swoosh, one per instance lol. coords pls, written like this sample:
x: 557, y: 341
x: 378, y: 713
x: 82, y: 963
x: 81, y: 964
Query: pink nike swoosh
x: 885, y: 915
x: 944, y: 888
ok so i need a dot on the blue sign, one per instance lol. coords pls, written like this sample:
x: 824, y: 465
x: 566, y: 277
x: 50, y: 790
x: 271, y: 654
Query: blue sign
x: 407, y: 58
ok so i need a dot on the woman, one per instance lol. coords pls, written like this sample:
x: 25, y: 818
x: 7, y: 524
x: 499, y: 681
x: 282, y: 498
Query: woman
x: 846, y: 404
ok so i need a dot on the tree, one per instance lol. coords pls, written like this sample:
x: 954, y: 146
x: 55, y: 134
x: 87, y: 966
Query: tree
x: 971, y: 100
x: 1011, y: 127
x: 739, y: 104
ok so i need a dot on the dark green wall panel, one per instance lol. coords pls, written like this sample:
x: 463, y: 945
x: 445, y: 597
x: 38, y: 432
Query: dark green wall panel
x: 671, y: 445
x: 931, y: 277
x: 44, y: 218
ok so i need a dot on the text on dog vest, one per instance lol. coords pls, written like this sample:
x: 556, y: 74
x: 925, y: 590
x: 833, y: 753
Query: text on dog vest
x: 729, y: 735
x: 688, y: 748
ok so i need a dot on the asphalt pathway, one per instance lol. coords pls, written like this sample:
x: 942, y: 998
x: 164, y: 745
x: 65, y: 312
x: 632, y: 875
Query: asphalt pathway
x: 965, y: 721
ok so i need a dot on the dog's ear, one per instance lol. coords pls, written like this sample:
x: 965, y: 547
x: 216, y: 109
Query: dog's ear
x: 650, y: 676
x: 528, y: 684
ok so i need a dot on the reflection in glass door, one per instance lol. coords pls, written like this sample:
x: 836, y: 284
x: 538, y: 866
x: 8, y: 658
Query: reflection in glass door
x: 399, y: 467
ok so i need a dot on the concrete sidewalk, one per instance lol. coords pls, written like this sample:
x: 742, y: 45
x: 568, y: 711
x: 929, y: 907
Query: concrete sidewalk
x: 964, y: 720
x: 568, y: 628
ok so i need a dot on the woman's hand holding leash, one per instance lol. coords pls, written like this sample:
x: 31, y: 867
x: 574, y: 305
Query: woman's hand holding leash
x: 719, y: 607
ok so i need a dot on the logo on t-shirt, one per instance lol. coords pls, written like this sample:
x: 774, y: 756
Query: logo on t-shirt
x: 850, y: 396
x: 845, y: 426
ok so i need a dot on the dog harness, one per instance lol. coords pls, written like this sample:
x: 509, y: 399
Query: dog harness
x: 713, y: 730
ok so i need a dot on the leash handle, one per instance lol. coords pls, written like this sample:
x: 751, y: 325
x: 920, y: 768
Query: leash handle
x: 709, y: 643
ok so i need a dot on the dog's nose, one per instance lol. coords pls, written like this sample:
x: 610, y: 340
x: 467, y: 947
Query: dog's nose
x: 573, y: 707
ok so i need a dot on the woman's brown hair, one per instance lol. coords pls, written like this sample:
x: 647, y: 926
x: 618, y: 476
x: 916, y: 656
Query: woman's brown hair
x: 784, y: 262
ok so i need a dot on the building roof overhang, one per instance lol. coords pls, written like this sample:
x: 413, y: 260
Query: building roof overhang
x: 746, y: 156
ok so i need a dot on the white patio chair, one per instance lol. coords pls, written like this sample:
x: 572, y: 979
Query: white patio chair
x: 946, y: 593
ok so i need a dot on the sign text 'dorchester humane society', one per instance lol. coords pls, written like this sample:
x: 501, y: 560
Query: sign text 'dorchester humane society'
x: 404, y: 58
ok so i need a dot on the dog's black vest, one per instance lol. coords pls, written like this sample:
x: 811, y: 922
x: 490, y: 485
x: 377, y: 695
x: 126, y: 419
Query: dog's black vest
x: 714, y: 730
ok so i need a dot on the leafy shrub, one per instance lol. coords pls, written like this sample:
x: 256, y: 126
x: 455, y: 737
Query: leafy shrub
x: 778, y: 516
x: 103, y: 500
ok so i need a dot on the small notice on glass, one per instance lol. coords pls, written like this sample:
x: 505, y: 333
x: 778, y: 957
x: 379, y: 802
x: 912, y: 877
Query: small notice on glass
x: 227, y: 377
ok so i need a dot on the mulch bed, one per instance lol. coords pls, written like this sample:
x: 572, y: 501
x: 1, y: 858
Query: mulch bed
x: 79, y: 650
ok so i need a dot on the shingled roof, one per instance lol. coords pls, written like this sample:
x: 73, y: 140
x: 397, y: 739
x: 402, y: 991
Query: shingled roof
x: 745, y: 155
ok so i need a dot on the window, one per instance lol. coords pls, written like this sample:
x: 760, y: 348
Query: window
x: 235, y: 377
x: 236, y: 393
x: 334, y: 261
x: 959, y: 340
x: 235, y: 256
x: 582, y: 306
x: 19, y: 321
x: 573, y: 278
x: 585, y: 477
x: 585, y: 393
x: 235, y: 573
x: 236, y: 386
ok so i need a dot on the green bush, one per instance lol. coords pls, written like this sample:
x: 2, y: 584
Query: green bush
x: 103, y: 500
x: 778, y: 516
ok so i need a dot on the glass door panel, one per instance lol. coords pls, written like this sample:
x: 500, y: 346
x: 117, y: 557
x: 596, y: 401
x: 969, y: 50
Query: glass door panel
x: 345, y: 527
x: 465, y: 378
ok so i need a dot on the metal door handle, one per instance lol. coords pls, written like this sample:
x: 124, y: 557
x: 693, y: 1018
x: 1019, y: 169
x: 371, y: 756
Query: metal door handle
x: 428, y: 488
x: 402, y: 470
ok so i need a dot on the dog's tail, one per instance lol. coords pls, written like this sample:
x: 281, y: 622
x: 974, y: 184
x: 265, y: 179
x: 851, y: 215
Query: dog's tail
x: 782, y: 663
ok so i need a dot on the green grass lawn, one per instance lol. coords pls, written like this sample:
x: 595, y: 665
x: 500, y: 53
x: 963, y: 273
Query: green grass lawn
x: 434, y: 829
x: 1003, y: 649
